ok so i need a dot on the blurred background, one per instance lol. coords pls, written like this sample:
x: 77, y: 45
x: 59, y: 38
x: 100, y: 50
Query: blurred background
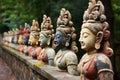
x: 14, y: 13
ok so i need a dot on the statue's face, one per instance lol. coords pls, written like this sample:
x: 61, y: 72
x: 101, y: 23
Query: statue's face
x: 32, y: 40
x: 43, y: 40
x: 87, y: 39
x: 65, y: 19
x: 59, y: 38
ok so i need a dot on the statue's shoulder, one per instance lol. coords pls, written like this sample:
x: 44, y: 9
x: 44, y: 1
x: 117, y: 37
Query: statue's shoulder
x: 103, y: 63
x: 71, y: 57
x: 70, y: 53
x: 102, y: 58
x: 50, y: 52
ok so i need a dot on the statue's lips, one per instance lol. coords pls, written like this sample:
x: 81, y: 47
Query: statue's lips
x: 55, y: 43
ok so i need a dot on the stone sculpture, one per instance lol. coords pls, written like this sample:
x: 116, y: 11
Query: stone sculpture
x: 94, y: 35
x: 5, y: 38
x: 20, y: 35
x: 20, y: 46
x: 33, y: 49
x: 66, y: 59
x: 16, y: 36
x: 11, y: 37
x: 47, y: 54
x: 25, y: 38
x: 26, y: 33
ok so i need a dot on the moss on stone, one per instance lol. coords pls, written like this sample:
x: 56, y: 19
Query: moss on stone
x: 38, y: 63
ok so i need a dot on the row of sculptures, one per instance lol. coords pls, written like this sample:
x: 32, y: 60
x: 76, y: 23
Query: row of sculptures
x: 40, y: 43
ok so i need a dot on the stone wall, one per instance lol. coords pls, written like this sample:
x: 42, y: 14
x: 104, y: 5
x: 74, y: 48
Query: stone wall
x: 27, y: 68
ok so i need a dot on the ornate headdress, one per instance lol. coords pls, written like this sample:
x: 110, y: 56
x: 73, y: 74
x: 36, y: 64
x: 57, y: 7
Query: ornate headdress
x: 47, y: 29
x: 46, y: 26
x: 35, y: 26
x: 21, y: 30
x: 34, y: 30
x: 65, y: 25
x: 95, y: 12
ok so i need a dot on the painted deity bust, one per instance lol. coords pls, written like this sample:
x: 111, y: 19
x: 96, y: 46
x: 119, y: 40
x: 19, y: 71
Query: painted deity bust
x: 34, y: 33
x: 94, y: 35
x: 11, y: 36
x: 46, y: 34
x: 5, y: 38
x: 66, y: 59
x: 16, y: 36
x: 25, y: 38
x: 33, y: 49
x: 26, y: 34
x: 20, y: 35
x: 21, y: 45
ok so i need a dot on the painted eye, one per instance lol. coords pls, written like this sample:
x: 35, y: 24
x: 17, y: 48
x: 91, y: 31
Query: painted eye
x: 58, y: 36
x: 85, y: 36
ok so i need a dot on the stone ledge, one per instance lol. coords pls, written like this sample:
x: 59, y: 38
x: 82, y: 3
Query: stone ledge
x: 46, y: 71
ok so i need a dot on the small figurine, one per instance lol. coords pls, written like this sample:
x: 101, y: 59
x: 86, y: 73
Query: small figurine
x: 4, y: 39
x: 16, y: 36
x: 15, y: 39
x: 33, y: 49
x: 46, y: 34
x: 20, y: 33
x: 10, y: 37
x: 26, y: 34
x: 94, y: 35
x: 66, y: 59
x: 20, y: 39
x: 25, y: 37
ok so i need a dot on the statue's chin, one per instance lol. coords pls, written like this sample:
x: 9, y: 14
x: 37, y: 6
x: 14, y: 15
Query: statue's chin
x: 56, y: 45
x: 83, y: 47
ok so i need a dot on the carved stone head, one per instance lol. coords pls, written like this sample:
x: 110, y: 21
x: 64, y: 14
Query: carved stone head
x: 94, y: 33
x: 65, y: 32
x: 26, y: 34
x: 16, y: 36
x: 34, y: 33
x: 46, y: 33
x: 20, y: 35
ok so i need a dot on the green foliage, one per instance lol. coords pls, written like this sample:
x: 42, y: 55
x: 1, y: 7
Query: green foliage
x: 76, y: 9
x: 116, y: 10
x: 38, y: 63
x: 16, y: 12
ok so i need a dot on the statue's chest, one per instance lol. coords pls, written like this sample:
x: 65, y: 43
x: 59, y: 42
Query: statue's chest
x: 88, y: 67
x: 61, y: 60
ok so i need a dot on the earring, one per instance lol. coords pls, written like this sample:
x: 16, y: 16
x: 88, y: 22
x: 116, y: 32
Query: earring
x: 97, y: 45
x: 48, y: 42
x: 37, y: 43
x: 67, y: 44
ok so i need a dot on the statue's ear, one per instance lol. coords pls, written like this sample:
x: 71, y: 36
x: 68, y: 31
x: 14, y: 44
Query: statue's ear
x: 67, y: 40
x: 99, y: 38
x: 49, y: 39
